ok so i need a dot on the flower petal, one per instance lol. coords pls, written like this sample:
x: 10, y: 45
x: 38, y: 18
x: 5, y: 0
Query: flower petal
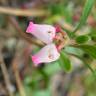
x: 44, y: 32
x: 30, y: 28
x: 46, y: 55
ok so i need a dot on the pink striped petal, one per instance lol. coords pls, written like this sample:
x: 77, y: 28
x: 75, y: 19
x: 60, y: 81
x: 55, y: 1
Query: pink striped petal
x: 46, y: 55
x: 43, y: 32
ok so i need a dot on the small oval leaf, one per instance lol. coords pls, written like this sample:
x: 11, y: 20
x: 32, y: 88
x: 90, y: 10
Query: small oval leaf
x: 64, y: 62
x: 82, y: 39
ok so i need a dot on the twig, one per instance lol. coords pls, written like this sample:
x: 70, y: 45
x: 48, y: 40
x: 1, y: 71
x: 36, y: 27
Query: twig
x: 23, y: 12
x: 17, y: 77
x: 6, y: 76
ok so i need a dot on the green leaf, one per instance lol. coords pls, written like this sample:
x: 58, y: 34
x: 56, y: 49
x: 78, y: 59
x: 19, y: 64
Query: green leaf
x: 90, y: 49
x: 87, y: 9
x: 82, y: 39
x: 73, y: 50
x: 64, y: 62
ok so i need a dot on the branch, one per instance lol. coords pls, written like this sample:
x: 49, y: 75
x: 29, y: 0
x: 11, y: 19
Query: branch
x: 23, y: 12
x: 17, y: 77
x: 6, y: 76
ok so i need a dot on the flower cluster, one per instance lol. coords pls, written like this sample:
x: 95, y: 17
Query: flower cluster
x: 47, y: 34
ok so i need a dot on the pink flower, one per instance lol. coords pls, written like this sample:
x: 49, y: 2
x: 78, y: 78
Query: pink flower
x: 43, y: 32
x: 46, y: 55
